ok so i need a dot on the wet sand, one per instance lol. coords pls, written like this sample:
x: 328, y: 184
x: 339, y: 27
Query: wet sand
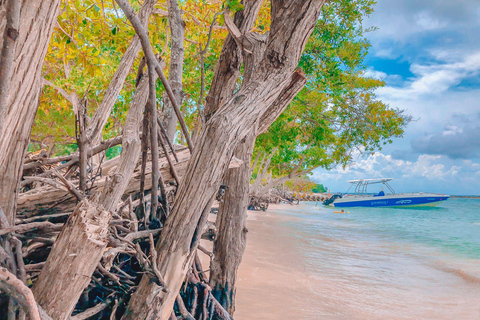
x: 277, y: 280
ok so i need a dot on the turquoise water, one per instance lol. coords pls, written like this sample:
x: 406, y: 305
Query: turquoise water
x: 377, y: 263
x: 452, y: 228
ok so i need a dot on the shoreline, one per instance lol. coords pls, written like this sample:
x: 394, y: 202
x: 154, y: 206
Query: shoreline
x: 287, y: 273
x: 269, y: 282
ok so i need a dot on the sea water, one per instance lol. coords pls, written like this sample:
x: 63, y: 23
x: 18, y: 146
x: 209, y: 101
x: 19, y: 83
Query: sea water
x: 307, y: 262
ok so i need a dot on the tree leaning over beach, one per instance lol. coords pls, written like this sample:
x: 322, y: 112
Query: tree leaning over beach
x: 255, y: 79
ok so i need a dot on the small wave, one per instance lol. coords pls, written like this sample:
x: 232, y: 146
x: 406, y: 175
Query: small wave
x: 465, y: 275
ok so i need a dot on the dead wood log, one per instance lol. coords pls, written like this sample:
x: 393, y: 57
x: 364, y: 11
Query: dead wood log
x: 21, y: 228
x: 85, y: 237
x: 49, y: 198
x: 39, y: 161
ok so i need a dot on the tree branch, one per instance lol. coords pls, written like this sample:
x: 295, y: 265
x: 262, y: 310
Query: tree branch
x: 20, y: 292
x: 111, y: 94
x: 151, y: 60
x: 297, y: 82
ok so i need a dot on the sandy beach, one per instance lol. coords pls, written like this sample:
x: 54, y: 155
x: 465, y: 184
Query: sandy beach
x: 352, y: 279
x: 271, y: 279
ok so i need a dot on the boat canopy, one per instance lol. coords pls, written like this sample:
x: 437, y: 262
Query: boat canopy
x: 361, y: 184
x: 371, y: 181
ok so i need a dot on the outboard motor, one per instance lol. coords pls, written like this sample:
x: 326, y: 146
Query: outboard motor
x: 332, y: 199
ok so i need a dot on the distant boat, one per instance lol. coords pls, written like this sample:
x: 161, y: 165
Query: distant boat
x: 361, y: 199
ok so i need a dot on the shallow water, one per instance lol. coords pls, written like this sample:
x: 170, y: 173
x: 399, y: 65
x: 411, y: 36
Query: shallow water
x: 306, y: 262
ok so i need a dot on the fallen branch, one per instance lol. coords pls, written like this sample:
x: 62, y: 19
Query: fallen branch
x: 53, y: 183
x: 90, y: 312
x: 104, y: 145
x: 20, y: 292
x: 70, y: 187
x: 22, y: 228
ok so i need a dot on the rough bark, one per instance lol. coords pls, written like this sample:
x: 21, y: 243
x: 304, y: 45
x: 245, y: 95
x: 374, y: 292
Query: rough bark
x: 231, y: 239
x: 83, y: 239
x: 37, y: 21
x: 73, y: 259
x: 16, y: 289
x: 10, y: 35
x: 177, y: 29
x: 230, y: 242
x: 230, y: 62
x: 290, y: 30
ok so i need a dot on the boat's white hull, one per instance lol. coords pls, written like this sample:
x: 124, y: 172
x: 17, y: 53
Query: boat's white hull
x: 393, y: 200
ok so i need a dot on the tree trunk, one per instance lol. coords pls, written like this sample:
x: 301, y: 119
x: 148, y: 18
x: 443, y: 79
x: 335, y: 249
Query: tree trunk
x: 73, y: 259
x: 231, y: 239
x: 230, y: 242
x: 83, y: 239
x: 230, y: 62
x: 37, y: 21
x: 177, y: 28
x: 10, y: 34
x: 290, y: 29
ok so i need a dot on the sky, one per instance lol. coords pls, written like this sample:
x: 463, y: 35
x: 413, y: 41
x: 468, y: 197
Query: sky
x: 428, y: 53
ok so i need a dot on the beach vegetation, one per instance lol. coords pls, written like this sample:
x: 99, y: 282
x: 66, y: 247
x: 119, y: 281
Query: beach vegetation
x: 123, y: 122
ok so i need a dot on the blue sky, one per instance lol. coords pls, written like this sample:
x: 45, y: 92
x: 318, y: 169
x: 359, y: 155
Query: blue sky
x: 428, y: 53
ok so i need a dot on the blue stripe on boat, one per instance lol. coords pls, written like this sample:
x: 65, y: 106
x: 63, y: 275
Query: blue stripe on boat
x: 413, y: 201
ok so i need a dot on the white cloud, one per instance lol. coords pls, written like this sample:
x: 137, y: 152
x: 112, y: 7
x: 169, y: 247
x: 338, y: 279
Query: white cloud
x: 371, y: 73
x: 438, y: 39
x: 426, y: 21
x: 433, y: 78
x: 399, y: 21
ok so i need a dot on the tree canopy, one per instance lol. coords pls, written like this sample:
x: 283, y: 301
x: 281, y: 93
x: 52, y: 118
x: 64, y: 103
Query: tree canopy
x: 337, y: 111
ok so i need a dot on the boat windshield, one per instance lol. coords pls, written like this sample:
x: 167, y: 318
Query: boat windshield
x: 362, y: 185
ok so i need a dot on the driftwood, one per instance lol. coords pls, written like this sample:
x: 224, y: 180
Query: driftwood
x: 48, y: 198
x: 125, y: 234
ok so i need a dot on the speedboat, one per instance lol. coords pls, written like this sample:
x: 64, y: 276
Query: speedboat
x: 363, y: 199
